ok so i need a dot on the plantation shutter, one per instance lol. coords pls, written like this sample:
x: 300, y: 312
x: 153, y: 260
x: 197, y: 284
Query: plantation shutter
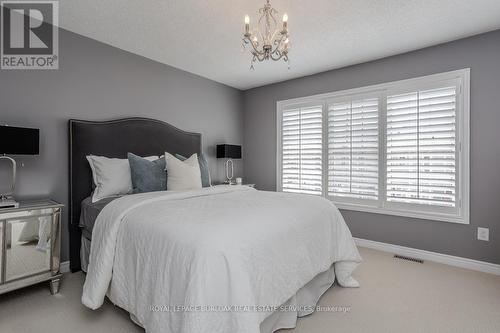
x: 421, y: 147
x: 353, y: 148
x: 302, y: 146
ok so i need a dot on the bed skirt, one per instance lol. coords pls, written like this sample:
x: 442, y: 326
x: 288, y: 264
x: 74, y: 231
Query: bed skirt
x: 84, y: 253
x: 304, y: 301
x: 300, y: 305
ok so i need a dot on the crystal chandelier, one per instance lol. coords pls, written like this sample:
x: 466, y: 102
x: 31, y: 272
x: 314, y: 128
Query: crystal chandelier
x: 268, y: 41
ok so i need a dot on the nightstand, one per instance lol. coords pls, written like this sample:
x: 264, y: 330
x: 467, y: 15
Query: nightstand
x: 30, y: 245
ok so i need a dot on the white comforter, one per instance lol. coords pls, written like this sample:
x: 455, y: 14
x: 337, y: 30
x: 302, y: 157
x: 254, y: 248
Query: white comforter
x: 216, y: 247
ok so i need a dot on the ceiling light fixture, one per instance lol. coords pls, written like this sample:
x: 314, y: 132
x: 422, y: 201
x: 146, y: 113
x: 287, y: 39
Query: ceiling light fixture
x: 268, y: 41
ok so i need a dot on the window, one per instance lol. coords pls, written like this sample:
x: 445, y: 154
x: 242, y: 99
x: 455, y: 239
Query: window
x: 421, y: 147
x: 399, y: 148
x: 353, y: 148
x: 302, y: 149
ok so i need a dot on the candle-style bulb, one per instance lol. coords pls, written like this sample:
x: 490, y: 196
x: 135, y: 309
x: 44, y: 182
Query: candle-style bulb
x: 285, y: 23
x: 247, y: 24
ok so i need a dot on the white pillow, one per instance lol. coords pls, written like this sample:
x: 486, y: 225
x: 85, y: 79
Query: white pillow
x: 183, y: 175
x: 111, y: 176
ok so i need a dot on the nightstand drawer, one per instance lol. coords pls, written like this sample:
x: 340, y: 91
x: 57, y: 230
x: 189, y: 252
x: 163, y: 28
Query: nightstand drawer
x: 27, y: 242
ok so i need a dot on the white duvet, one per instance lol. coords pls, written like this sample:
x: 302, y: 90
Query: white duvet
x: 213, y: 260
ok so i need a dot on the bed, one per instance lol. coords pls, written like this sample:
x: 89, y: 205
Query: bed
x: 220, y: 259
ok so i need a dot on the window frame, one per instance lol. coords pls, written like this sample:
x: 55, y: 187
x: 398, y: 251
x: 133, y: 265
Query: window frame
x: 382, y: 206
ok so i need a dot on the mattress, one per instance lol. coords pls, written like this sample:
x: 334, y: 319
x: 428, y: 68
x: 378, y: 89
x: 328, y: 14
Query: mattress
x: 89, y: 214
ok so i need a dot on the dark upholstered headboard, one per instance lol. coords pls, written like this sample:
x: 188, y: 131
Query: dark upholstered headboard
x: 115, y: 138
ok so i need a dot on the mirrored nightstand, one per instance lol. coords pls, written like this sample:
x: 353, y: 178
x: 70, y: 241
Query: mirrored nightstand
x: 30, y: 245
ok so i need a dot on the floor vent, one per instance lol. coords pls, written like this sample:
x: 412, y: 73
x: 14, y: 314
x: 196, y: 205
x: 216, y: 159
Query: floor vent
x: 397, y: 256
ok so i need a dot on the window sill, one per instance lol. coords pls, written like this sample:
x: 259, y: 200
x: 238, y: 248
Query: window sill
x: 403, y: 213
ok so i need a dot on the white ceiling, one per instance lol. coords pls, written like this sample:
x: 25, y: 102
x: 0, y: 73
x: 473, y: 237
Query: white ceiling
x: 204, y: 37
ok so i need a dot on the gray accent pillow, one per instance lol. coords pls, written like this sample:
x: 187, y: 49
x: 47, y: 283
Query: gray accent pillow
x: 204, y: 170
x: 147, y: 176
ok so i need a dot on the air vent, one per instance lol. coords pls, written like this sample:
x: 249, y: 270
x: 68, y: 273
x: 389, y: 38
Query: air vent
x: 397, y: 256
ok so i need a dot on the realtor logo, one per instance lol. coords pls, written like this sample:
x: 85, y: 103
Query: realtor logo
x: 29, y: 36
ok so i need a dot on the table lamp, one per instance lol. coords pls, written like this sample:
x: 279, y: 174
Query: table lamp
x: 230, y: 152
x: 16, y: 141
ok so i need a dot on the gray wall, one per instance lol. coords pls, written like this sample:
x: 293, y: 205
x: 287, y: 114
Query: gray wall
x: 480, y: 53
x: 96, y: 81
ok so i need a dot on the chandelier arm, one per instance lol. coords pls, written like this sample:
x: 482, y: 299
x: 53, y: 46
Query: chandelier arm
x: 254, y: 45
x: 278, y: 43
x: 275, y: 23
x: 262, y: 37
x: 277, y: 55
x: 283, y: 36
x: 260, y: 57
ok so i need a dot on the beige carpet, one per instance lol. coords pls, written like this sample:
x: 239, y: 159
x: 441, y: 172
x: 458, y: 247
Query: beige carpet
x: 395, y: 296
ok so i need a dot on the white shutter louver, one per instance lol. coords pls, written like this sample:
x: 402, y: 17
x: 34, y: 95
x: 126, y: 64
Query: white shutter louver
x: 421, y: 147
x: 301, y: 139
x: 353, y: 149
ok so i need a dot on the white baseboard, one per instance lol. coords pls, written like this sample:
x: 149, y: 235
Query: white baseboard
x: 446, y: 259
x: 64, y: 267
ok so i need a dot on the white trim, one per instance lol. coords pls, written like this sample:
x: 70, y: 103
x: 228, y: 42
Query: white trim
x: 64, y: 267
x: 426, y: 215
x: 460, y: 214
x: 464, y: 147
x: 378, y: 87
x: 279, y: 161
x: 475, y: 265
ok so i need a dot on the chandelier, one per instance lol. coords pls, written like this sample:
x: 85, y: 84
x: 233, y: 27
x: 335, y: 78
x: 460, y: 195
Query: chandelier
x: 268, y: 41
